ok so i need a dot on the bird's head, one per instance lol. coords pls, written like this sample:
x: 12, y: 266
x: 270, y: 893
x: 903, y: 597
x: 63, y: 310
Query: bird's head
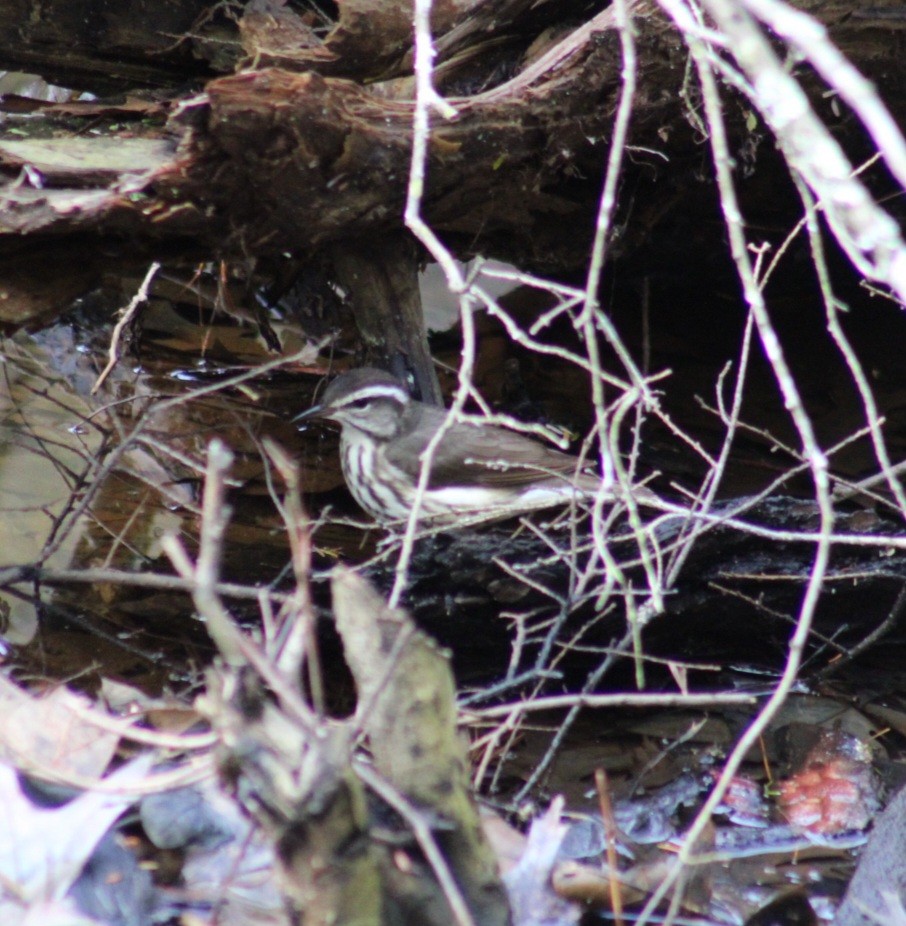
x: 367, y: 400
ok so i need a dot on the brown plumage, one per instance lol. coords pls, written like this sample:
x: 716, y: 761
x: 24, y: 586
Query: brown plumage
x: 476, y: 469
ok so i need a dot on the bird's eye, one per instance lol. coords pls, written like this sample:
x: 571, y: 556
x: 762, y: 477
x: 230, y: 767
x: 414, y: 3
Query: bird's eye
x: 360, y: 403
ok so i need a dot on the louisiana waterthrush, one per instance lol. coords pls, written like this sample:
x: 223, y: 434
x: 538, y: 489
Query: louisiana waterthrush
x: 476, y: 469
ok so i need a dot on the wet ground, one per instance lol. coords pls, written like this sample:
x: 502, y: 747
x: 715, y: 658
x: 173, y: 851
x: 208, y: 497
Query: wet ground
x: 89, y: 484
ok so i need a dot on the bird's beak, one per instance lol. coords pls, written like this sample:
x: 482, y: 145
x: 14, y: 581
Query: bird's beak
x: 316, y: 411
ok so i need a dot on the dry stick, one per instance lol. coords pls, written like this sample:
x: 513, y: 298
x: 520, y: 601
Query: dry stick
x: 462, y: 916
x: 780, y: 616
x: 756, y: 58
x: 427, y: 98
x: 491, y: 418
x: 128, y: 315
x: 751, y: 501
x: 602, y: 786
x: 591, y: 317
x: 557, y: 702
x: 704, y: 500
x: 235, y: 648
x: 847, y: 489
x: 645, y: 542
x: 566, y: 723
x: 78, y: 482
x: 189, y: 461
x: 715, y: 474
x: 120, y: 538
x: 198, y: 768
x: 676, y: 742
x: 489, y: 744
x: 539, y: 347
x: 141, y: 580
x: 427, y: 456
x: 27, y: 431
x: 889, y: 542
x: 299, y: 645
x: 220, y: 626
x: 794, y: 231
x: 126, y: 729
x: 843, y: 577
x: 852, y: 652
x: 586, y: 322
x: 508, y: 748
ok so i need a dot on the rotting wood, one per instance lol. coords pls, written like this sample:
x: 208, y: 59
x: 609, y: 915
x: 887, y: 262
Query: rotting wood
x: 382, y: 280
x: 302, y: 788
x: 344, y: 862
x: 277, y: 160
x: 407, y: 706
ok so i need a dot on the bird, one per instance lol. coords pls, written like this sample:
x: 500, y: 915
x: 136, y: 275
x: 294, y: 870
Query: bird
x: 479, y: 470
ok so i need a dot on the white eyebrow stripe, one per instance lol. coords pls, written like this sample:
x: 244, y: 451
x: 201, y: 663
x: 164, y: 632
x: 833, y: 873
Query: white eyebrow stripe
x: 375, y: 392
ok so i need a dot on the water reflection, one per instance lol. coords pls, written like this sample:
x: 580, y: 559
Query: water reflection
x: 94, y: 482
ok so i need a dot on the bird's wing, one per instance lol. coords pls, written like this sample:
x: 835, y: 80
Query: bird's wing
x: 473, y: 455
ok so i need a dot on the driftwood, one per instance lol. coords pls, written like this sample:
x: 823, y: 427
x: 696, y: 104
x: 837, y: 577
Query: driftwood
x: 344, y: 856
x: 305, y: 155
x: 407, y: 705
x: 306, y: 150
x: 276, y: 161
x: 396, y: 839
x: 273, y: 160
x: 486, y: 569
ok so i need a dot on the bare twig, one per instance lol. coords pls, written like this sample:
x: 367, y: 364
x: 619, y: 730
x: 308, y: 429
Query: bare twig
x: 751, y: 48
x: 870, y: 237
x: 557, y: 702
x: 126, y: 319
x: 221, y: 627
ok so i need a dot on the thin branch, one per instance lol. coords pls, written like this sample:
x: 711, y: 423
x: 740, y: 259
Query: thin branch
x: 126, y: 319
x: 868, y: 234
